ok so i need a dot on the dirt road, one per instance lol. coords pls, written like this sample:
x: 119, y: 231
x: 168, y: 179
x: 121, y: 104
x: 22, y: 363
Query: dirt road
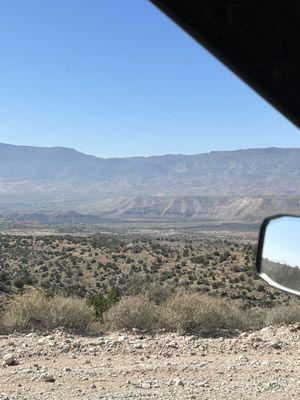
x: 259, y: 365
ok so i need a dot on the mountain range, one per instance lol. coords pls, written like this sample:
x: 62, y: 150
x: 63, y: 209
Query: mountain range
x: 222, y: 185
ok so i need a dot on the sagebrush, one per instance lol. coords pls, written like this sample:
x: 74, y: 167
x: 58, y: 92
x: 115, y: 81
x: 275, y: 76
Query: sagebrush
x: 183, y: 312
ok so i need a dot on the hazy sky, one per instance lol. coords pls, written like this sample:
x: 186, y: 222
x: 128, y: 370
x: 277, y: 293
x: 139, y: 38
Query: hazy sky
x: 118, y: 78
x: 282, y: 241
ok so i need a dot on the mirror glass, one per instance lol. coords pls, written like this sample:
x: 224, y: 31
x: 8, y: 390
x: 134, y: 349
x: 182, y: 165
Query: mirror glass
x: 280, y: 260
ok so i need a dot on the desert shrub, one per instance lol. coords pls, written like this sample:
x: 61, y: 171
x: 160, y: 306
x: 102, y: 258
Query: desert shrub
x: 34, y: 311
x: 154, y: 291
x: 100, y: 240
x: 157, y: 293
x: 201, y: 314
x: 255, y: 317
x: 99, y: 303
x: 224, y: 256
x: 4, y: 277
x: 135, y: 284
x: 26, y: 312
x: 284, y: 314
x: 132, y: 312
x: 102, y: 303
x: 70, y: 313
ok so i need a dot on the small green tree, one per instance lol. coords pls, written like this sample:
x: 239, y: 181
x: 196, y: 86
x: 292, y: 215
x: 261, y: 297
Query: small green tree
x: 102, y: 303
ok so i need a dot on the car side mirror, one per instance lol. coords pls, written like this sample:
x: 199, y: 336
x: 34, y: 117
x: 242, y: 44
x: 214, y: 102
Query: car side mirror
x: 278, y: 255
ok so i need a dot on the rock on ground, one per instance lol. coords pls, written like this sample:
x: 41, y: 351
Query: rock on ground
x: 257, y: 365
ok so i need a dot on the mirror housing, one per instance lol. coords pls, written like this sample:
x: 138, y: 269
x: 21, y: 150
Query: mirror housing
x: 278, y: 254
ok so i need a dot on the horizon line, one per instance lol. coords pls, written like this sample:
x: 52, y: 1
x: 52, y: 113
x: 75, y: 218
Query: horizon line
x: 149, y: 156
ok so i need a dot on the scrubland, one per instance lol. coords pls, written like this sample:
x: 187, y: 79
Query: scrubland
x: 104, y: 317
x: 101, y: 283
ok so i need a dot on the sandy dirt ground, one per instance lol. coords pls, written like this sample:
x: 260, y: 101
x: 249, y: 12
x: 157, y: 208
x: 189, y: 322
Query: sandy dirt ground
x: 257, y: 365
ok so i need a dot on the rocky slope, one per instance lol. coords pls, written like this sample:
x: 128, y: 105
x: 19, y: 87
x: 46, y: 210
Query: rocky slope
x: 234, y: 208
x: 263, y: 364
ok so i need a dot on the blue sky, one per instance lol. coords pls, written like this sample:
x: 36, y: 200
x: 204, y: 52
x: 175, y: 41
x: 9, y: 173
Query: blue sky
x: 118, y: 78
x: 282, y: 241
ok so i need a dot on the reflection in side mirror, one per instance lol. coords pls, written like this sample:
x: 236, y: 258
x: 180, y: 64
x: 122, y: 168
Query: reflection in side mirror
x: 278, y: 258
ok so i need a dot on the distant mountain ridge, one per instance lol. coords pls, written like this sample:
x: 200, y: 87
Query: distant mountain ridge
x: 239, y: 182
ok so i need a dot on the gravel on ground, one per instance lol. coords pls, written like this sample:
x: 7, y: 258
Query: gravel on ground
x: 131, y: 365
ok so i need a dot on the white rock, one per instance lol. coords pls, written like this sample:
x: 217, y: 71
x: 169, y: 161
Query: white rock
x: 146, y: 385
x: 9, y: 359
x: 178, y: 382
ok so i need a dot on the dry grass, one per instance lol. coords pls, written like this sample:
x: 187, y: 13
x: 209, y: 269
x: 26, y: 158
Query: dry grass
x: 186, y: 313
x: 70, y: 313
x: 288, y: 314
x: 201, y: 314
x: 182, y: 312
x: 133, y: 312
x: 33, y: 311
x: 26, y: 312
